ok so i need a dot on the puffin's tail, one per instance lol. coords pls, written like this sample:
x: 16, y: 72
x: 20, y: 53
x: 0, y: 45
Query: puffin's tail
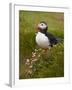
x: 59, y: 40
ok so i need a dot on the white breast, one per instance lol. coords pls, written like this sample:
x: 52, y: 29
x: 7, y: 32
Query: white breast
x: 42, y: 40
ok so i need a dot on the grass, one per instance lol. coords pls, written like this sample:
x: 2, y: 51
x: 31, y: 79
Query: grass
x: 50, y: 64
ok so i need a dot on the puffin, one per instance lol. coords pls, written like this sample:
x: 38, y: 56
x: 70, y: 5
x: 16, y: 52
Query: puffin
x: 45, y: 39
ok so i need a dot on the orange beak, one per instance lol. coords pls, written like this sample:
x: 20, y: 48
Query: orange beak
x: 37, y: 30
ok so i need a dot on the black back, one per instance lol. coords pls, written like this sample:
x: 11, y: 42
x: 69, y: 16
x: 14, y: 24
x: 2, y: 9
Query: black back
x: 52, y: 38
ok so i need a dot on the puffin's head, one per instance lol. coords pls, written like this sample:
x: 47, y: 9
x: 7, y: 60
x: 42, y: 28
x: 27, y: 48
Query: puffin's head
x: 42, y: 27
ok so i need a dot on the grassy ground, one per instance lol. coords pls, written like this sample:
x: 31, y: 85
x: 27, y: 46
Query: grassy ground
x: 50, y: 64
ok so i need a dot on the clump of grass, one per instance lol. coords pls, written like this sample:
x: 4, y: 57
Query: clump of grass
x: 50, y: 64
x: 45, y: 64
x: 28, y: 64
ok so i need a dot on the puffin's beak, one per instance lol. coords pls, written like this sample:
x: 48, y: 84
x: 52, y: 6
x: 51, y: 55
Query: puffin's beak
x: 37, y: 30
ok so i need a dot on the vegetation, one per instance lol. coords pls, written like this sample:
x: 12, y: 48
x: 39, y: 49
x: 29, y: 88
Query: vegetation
x: 49, y: 64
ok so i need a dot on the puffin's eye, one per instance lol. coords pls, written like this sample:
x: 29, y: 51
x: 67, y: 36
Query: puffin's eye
x: 42, y: 24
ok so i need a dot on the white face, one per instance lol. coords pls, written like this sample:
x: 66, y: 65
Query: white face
x: 42, y: 25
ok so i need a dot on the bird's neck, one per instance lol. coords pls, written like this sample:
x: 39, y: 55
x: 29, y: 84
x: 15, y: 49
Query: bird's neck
x: 42, y: 33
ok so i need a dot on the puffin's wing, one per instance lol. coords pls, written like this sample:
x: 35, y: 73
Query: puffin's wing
x: 52, y: 38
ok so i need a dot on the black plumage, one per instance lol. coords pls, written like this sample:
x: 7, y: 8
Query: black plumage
x: 53, y: 40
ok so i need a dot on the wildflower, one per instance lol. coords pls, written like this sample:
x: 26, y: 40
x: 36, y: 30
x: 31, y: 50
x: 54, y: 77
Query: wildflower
x: 30, y: 66
x: 35, y: 59
x: 40, y: 49
x: 30, y: 72
x: 27, y: 63
x: 27, y: 60
x: 34, y: 54
x: 43, y: 51
x: 36, y: 50
x: 32, y: 62
x: 39, y: 55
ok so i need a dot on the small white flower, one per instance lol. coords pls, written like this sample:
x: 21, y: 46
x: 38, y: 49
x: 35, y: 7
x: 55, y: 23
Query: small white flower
x: 30, y: 66
x: 40, y: 49
x: 43, y: 51
x: 27, y: 63
x: 36, y: 50
x: 32, y: 52
x: 35, y: 59
x: 39, y: 55
x: 33, y: 55
x: 32, y: 62
x: 27, y: 60
x: 30, y: 71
